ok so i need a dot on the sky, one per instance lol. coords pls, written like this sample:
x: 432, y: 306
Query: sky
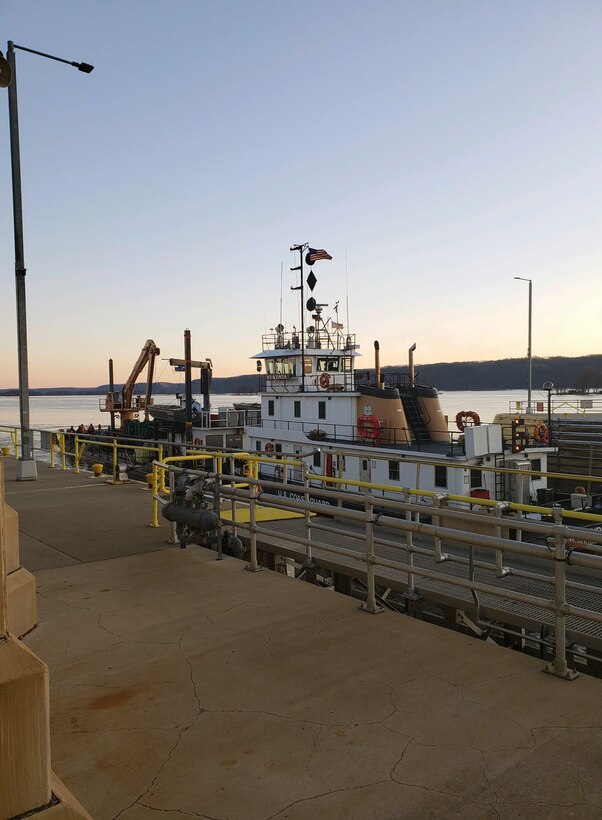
x: 435, y: 149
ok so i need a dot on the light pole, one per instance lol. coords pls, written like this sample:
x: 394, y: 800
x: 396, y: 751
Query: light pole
x: 26, y: 466
x: 529, y: 351
x: 549, y: 386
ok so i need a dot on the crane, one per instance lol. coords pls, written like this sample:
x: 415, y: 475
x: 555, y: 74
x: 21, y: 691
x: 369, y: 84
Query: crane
x: 126, y: 405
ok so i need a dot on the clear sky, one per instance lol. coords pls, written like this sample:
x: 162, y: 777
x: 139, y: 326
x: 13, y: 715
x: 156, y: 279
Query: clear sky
x: 442, y: 147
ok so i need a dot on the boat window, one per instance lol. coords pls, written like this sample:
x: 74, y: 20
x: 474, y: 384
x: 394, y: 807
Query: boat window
x: 476, y: 479
x: 394, y: 470
x: 346, y: 360
x: 278, y: 448
x: 318, y: 459
x: 328, y: 364
x: 440, y: 476
x: 297, y: 411
x: 258, y: 446
x: 270, y: 407
x: 321, y: 409
x: 281, y: 367
x: 307, y: 365
x: 536, y: 465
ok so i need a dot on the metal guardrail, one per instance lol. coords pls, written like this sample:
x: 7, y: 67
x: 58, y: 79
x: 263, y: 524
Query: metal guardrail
x: 404, y: 516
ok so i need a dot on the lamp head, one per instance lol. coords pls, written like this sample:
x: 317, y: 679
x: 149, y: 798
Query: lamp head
x: 6, y: 72
x: 85, y: 67
x: 548, y: 385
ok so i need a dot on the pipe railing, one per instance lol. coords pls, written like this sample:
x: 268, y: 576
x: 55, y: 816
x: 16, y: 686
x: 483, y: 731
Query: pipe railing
x: 405, y: 519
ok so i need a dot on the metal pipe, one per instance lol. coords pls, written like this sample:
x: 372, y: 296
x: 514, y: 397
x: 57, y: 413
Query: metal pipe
x: 371, y: 605
x: 26, y: 466
x: 112, y: 394
x: 188, y: 385
x: 377, y: 364
x: 411, y: 365
x: 559, y: 666
x: 253, y: 565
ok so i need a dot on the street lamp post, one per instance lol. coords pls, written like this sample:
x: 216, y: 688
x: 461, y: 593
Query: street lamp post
x: 549, y: 386
x: 26, y: 466
x: 530, y: 350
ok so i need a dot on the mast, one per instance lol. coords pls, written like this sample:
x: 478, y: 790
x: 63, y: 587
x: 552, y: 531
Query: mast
x: 188, y: 381
x: 299, y: 267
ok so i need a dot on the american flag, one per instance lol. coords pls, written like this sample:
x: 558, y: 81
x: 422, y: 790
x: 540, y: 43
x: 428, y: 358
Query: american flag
x: 313, y: 255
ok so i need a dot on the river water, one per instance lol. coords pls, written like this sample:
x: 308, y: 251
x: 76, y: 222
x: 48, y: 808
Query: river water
x: 50, y: 412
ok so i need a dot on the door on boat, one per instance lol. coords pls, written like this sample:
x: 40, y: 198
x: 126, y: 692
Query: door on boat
x: 365, y: 469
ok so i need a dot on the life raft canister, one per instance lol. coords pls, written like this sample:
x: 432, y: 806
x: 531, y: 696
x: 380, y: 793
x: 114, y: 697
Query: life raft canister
x: 463, y: 416
x: 324, y: 380
x: 368, y: 427
x: 540, y: 433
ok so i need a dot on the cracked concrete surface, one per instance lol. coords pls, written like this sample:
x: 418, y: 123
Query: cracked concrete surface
x: 187, y: 687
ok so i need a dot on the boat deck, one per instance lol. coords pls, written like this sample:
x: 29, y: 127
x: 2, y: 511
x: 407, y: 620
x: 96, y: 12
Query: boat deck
x: 185, y: 685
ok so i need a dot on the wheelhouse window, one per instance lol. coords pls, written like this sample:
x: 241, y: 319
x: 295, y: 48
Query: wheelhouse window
x: 307, y: 365
x: 476, y: 479
x: 346, y: 362
x: 270, y: 407
x: 328, y: 364
x: 440, y: 476
x: 281, y: 367
x: 297, y: 410
x: 321, y: 409
x: 394, y: 470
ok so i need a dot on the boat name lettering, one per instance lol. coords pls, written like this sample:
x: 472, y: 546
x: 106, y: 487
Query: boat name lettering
x: 300, y: 497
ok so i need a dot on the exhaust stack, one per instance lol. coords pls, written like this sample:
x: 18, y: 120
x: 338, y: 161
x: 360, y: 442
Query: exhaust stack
x: 377, y: 364
x: 412, y: 371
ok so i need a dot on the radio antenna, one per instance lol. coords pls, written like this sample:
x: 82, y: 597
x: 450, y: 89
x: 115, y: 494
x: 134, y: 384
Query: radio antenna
x: 346, y: 290
x: 281, y: 292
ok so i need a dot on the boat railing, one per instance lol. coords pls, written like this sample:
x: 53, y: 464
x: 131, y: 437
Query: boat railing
x: 383, y: 435
x: 321, y: 339
x: 400, y: 540
x: 338, y: 382
x: 559, y: 406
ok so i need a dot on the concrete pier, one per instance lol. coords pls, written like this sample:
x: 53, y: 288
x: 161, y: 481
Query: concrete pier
x: 185, y: 686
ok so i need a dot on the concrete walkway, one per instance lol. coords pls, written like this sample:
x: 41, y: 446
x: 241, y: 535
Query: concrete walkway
x: 183, y: 686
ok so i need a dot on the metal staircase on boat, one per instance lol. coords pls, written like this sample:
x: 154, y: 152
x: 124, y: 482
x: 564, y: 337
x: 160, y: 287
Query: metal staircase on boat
x: 414, y: 418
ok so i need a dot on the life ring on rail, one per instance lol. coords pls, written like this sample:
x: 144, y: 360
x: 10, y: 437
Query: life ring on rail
x: 197, y: 441
x: 540, y: 433
x: 368, y: 427
x: 324, y: 380
x: 463, y: 416
x: 269, y: 447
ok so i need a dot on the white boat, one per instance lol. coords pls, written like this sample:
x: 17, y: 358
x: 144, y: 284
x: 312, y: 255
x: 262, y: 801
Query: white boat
x: 390, y: 432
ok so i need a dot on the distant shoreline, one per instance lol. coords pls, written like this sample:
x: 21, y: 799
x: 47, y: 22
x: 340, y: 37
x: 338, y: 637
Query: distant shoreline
x: 572, y: 375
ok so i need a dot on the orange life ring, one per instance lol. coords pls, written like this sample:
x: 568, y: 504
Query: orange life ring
x: 463, y: 416
x: 197, y: 440
x: 269, y: 447
x: 540, y: 433
x: 368, y: 427
x: 324, y: 380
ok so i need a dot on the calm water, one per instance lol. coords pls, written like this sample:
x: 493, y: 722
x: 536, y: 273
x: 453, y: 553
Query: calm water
x: 63, y: 411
